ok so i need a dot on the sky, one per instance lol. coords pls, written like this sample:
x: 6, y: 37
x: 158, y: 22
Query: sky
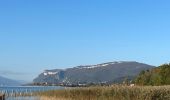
x: 56, y: 34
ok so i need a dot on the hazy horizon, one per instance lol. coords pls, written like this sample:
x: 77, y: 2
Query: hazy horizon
x: 37, y: 34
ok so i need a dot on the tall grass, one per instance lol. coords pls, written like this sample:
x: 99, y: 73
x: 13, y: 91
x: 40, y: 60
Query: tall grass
x: 109, y: 93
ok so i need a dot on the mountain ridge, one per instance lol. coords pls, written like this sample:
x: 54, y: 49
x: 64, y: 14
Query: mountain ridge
x: 104, y: 72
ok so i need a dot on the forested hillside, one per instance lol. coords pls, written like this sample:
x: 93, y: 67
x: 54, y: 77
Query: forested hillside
x: 156, y: 76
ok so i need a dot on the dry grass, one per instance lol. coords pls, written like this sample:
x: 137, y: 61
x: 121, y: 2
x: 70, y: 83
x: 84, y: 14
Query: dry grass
x: 51, y: 98
x: 109, y: 93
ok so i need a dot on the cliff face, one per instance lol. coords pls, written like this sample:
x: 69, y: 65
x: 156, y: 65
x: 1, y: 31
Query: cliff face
x: 105, y: 72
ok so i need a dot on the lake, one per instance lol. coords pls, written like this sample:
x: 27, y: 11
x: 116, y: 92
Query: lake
x: 11, y: 91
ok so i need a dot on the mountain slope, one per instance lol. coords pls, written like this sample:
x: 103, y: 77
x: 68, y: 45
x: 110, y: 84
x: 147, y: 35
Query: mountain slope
x: 157, y: 76
x: 8, y: 82
x: 105, y: 72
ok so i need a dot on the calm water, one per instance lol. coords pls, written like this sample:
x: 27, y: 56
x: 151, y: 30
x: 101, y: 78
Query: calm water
x: 22, y: 98
x: 10, y: 92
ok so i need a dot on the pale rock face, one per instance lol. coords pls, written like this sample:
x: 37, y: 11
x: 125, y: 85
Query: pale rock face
x: 100, y: 65
x: 49, y: 73
x: 45, y: 74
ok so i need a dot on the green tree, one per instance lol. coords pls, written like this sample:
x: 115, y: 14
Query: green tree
x: 165, y: 74
x: 157, y: 76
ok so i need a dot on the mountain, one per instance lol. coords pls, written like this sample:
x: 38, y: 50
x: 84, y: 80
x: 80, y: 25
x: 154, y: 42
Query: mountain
x: 8, y: 82
x: 100, y: 73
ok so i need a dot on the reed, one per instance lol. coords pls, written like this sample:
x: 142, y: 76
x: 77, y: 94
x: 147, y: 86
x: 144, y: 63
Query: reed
x: 109, y: 93
x: 2, y: 96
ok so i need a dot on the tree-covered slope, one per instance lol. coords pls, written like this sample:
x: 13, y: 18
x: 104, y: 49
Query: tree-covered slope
x: 156, y: 76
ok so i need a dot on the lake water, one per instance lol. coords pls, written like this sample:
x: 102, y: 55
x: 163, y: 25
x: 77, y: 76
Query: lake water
x: 22, y: 98
x: 11, y: 92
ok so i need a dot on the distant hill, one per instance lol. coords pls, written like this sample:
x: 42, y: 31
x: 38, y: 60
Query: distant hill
x: 111, y: 72
x: 8, y: 82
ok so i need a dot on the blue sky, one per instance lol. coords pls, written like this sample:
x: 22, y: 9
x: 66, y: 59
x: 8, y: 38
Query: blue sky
x: 49, y: 34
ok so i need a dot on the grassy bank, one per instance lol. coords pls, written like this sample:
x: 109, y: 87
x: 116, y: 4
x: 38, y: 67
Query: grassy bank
x: 109, y: 93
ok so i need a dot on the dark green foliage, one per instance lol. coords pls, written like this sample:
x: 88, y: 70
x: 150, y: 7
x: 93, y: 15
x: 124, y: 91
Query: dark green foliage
x: 157, y: 76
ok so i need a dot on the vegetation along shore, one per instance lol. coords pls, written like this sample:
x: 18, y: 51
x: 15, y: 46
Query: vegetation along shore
x: 114, y: 92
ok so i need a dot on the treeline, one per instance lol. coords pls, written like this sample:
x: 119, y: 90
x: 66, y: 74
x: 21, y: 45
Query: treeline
x: 157, y: 76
